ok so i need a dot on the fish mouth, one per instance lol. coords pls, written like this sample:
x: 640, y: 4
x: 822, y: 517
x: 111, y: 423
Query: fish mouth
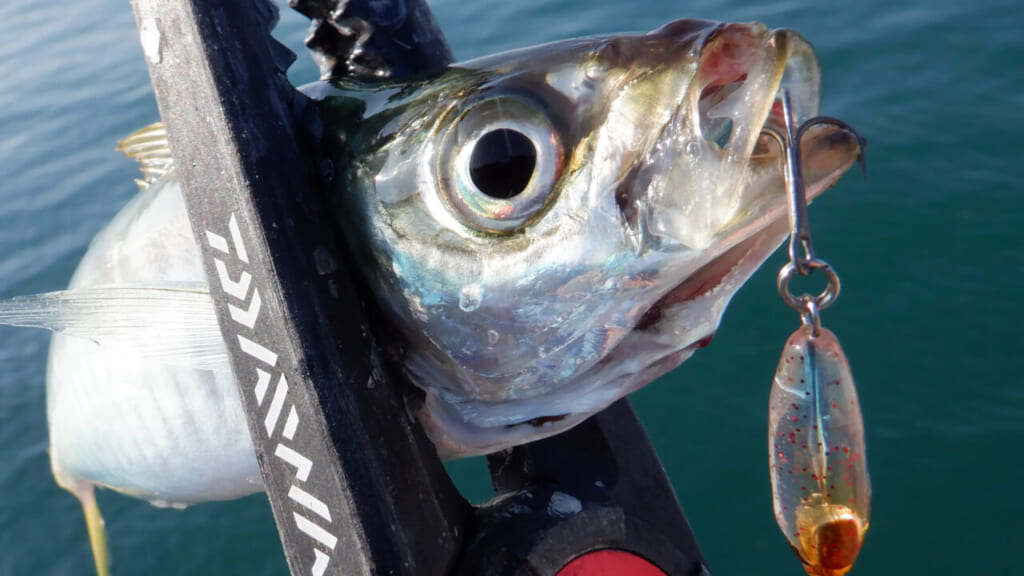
x: 827, y: 152
x: 744, y: 219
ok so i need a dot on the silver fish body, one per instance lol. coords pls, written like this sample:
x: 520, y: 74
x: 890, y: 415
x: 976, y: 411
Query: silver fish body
x: 168, y: 433
x: 548, y: 230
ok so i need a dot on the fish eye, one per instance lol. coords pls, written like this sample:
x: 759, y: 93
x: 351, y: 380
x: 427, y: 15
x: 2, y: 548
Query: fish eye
x: 502, y: 163
x: 499, y: 163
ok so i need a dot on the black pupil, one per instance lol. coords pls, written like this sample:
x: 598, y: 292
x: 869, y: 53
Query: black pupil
x: 502, y: 163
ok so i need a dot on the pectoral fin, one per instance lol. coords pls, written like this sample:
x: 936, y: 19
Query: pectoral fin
x: 173, y: 324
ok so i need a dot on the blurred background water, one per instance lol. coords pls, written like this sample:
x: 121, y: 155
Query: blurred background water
x: 930, y: 249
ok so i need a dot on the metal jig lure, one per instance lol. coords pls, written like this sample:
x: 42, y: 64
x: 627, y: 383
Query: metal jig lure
x: 821, y: 492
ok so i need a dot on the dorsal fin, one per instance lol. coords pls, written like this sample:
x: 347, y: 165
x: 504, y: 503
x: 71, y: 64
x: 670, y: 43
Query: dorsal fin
x: 150, y: 149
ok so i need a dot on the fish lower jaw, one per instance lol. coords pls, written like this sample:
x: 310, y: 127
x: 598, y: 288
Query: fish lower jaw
x: 687, y: 318
x: 456, y: 436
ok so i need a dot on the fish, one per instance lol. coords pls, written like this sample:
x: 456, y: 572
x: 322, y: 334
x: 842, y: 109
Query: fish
x: 548, y: 229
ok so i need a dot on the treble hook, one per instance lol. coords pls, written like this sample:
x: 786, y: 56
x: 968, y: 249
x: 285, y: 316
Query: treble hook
x: 789, y: 141
x: 801, y: 252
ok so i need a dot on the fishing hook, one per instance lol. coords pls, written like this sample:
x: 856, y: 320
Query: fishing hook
x: 801, y: 252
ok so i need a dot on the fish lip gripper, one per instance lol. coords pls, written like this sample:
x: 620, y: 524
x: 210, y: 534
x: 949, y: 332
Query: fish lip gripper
x: 343, y: 505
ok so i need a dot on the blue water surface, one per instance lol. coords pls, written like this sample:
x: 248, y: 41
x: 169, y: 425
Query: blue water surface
x: 930, y: 249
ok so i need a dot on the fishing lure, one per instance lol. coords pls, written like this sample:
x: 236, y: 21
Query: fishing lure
x: 821, y: 491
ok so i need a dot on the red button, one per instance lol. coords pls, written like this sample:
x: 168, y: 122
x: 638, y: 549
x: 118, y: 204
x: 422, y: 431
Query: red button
x: 610, y: 563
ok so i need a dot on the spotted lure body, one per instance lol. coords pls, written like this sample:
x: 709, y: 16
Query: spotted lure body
x: 820, y: 486
x: 548, y: 230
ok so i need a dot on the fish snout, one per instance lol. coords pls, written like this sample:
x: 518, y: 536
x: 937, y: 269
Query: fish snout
x: 703, y: 154
x: 726, y: 51
x: 729, y: 52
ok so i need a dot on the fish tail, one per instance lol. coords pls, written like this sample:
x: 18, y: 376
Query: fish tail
x: 97, y: 533
x: 86, y: 494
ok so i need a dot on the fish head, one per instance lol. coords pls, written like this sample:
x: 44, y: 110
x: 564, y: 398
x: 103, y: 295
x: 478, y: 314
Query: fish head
x: 553, y: 228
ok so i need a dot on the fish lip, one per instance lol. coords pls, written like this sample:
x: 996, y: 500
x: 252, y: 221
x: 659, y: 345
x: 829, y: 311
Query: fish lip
x: 747, y: 242
x: 755, y: 233
x: 688, y: 182
x: 740, y: 251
